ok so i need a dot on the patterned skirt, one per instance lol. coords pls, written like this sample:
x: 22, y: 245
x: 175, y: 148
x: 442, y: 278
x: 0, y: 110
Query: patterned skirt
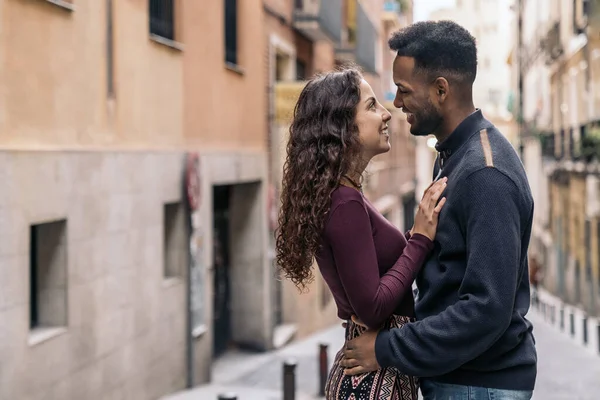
x: 384, y: 384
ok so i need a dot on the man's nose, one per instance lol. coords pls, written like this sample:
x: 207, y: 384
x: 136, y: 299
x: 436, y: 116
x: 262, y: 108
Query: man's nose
x: 398, y: 103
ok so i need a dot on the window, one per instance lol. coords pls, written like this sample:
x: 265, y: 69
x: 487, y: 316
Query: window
x: 281, y: 66
x: 162, y: 18
x: 175, y: 248
x: 300, y: 70
x: 231, y: 32
x: 48, y: 275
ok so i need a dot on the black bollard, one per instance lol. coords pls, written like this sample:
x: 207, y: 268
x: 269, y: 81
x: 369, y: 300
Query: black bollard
x: 544, y: 311
x: 227, y: 396
x: 598, y: 328
x: 562, y: 319
x: 585, y: 332
x: 289, y: 380
x: 323, y: 364
x: 572, y: 323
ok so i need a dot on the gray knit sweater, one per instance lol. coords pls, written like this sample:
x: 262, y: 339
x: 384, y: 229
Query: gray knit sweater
x: 474, y: 289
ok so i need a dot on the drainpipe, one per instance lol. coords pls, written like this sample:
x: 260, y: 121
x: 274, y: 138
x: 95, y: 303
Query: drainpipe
x: 521, y: 121
x: 189, y: 340
x: 588, y: 61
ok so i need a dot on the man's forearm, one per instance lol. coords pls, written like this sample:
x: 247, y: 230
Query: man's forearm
x: 442, y: 343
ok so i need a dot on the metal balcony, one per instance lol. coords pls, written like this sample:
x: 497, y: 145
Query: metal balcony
x: 319, y: 19
x: 360, y: 40
x: 366, y: 41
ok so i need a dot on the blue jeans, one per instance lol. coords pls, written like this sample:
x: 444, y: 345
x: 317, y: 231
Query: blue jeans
x: 442, y: 391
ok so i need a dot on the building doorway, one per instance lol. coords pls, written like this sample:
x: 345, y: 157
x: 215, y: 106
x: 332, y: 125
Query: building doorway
x: 221, y: 277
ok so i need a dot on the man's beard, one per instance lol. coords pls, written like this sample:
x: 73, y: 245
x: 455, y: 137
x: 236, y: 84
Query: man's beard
x: 426, y: 122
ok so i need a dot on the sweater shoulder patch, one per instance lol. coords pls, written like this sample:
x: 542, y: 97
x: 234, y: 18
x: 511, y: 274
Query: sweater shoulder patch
x: 487, y: 149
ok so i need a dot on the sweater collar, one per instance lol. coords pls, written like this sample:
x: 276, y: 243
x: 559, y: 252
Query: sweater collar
x: 470, y: 125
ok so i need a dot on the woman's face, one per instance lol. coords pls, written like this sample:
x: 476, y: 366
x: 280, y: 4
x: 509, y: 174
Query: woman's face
x: 372, y: 121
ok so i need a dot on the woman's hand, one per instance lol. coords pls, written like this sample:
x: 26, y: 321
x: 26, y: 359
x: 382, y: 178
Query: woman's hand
x: 426, y: 219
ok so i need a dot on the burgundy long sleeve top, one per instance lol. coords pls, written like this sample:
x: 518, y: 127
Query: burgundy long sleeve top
x: 368, y: 264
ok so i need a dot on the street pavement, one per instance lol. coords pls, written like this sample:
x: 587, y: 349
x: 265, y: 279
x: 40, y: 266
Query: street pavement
x: 566, y: 371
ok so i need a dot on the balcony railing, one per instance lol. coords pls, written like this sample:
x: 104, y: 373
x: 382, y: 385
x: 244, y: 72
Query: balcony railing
x: 319, y: 19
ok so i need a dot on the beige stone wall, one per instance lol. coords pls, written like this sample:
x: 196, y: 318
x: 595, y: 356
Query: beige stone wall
x: 125, y: 326
x: 125, y: 331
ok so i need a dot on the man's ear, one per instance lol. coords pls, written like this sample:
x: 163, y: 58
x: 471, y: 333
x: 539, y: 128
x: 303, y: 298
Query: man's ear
x: 442, y: 88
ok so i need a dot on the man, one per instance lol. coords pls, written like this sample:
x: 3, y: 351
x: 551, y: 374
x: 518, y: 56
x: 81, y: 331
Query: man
x: 471, y: 339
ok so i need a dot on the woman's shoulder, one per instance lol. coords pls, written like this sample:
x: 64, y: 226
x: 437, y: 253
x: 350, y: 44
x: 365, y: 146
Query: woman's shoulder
x: 343, y: 194
x: 346, y: 203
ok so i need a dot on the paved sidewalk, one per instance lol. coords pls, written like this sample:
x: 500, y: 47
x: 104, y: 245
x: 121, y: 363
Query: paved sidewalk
x: 211, y: 392
x: 259, y: 376
x: 566, y: 370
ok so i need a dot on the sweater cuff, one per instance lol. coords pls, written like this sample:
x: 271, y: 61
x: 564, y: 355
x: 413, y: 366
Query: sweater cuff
x: 383, y: 350
x: 423, y: 240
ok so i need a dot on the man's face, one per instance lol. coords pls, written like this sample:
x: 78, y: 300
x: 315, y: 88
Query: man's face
x: 416, y: 97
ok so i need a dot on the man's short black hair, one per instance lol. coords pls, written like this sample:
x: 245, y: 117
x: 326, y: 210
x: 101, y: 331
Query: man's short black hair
x: 441, y: 48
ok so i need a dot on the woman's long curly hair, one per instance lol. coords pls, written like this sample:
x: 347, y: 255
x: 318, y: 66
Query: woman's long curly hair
x: 323, y: 146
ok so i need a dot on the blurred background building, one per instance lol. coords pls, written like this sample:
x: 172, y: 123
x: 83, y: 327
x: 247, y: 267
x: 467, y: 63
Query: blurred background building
x: 556, y: 65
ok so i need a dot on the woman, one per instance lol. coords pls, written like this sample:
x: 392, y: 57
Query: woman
x: 367, y: 263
